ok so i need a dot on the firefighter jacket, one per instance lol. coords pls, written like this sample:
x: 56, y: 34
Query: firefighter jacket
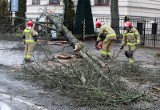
x: 29, y: 35
x: 131, y: 37
x: 107, y: 32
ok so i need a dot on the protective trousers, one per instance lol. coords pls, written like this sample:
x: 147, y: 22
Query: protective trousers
x: 28, y: 53
x: 131, y: 49
x: 107, y: 47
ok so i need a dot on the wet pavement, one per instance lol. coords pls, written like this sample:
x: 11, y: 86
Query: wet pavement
x: 8, y: 55
x: 23, y: 95
x: 4, y: 106
x: 143, y: 56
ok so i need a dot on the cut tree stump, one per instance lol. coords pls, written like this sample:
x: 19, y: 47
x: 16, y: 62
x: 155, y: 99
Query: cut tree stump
x: 64, y: 56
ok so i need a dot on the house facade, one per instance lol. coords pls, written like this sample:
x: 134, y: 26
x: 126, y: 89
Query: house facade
x: 100, y: 8
x: 148, y: 10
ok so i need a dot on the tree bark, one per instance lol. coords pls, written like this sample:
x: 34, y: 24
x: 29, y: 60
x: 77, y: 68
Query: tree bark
x: 115, y: 16
x: 56, y: 20
x: 83, y: 51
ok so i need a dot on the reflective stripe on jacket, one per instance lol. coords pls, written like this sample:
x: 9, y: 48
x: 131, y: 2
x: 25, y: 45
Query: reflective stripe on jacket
x: 28, y: 35
x: 131, y: 37
x: 107, y: 31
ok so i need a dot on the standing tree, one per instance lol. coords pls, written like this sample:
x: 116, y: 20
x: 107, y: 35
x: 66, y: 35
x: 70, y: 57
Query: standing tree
x: 4, y: 8
x: 21, y: 12
x: 69, y: 14
x: 83, y: 12
x: 115, y: 16
x: 89, y: 26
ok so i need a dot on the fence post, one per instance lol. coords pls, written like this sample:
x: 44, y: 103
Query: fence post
x: 140, y: 30
x: 11, y: 21
x: 144, y: 31
x: 154, y: 32
x: 83, y: 29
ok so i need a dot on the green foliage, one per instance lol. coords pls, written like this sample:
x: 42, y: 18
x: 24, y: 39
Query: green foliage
x: 4, y: 8
x: 157, y: 55
x: 96, y: 90
x: 84, y: 12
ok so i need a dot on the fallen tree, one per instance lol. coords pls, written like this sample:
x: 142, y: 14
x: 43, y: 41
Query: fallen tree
x: 75, y: 43
x: 82, y: 50
x: 70, y: 73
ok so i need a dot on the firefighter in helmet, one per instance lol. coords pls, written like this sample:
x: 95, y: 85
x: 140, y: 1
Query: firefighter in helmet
x: 107, y: 35
x: 131, y: 38
x: 29, y: 38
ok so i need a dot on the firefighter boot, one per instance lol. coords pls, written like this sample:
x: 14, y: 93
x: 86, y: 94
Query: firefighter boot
x: 131, y: 59
x: 28, y: 60
x: 106, y: 57
x: 126, y: 54
x: 131, y: 54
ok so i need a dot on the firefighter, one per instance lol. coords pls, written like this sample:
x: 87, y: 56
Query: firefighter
x: 107, y: 36
x: 29, y: 38
x: 131, y: 38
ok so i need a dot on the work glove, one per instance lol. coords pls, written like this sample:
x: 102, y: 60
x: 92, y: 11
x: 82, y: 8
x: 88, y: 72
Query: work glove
x: 35, y: 38
x: 121, y: 47
x: 138, y: 44
x: 23, y: 39
x: 96, y: 44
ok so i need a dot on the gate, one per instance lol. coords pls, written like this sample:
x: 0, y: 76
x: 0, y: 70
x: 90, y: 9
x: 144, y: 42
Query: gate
x: 149, y: 30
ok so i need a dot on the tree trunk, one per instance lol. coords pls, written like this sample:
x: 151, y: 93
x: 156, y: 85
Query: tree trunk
x: 56, y: 20
x: 68, y: 14
x: 115, y: 16
x: 83, y: 51
x: 83, y: 12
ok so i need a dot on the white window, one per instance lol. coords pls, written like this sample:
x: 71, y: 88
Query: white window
x: 102, y: 2
x: 36, y: 2
x: 54, y: 2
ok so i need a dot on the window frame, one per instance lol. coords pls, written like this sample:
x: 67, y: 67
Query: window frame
x: 35, y: 3
x: 101, y: 4
x: 54, y: 3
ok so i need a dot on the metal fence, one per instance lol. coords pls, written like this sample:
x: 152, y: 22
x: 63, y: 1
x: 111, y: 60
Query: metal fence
x: 9, y: 29
x: 5, y: 24
x: 149, y: 28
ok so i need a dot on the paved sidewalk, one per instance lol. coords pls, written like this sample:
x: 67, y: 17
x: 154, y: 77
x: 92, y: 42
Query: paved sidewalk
x: 143, y: 55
